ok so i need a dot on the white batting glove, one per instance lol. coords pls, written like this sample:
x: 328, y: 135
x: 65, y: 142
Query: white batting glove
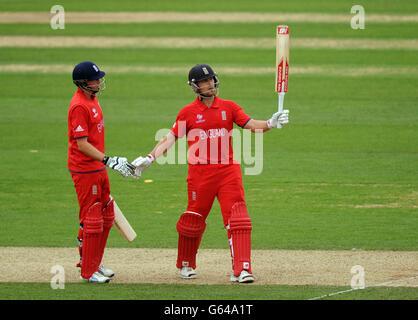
x: 137, y: 173
x: 120, y: 165
x: 142, y: 163
x: 278, y: 119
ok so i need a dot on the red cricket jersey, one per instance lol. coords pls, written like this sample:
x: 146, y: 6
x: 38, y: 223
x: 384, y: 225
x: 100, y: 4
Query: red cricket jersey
x: 209, y: 130
x: 85, y: 119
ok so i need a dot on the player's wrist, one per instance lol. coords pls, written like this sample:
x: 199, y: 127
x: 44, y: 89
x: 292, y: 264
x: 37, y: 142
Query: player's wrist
x: 105, y: 160
x: 271, y: 123
x: 150, y: 158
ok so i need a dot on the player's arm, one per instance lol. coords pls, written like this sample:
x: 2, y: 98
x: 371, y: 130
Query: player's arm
x: 254, y: 125
x: 163, y: 145
x: 277, y: 120
x: 160, y: 148
x: 178, y: 130
x: 244, y: 121
x: 89, y: 150
x: 119, y: 164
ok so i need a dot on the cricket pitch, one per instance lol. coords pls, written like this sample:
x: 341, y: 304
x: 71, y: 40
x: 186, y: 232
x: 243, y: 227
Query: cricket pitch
x: 270, y: 267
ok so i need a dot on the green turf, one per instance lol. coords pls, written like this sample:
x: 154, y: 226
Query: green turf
x: 350, y: 145
x: 82, y: 291
x: 329, y: 147
x: 320, y: 6
x: 374, y: 30
x: 217, y: 57
x: 342, y: 175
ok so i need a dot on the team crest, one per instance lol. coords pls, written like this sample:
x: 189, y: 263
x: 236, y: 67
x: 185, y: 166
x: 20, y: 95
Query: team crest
x: 223, y: 115
x: 200, y: 118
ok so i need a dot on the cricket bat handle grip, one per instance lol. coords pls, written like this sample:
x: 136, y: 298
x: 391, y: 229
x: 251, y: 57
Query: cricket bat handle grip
x: 280, y: 107
x: 281, y: 100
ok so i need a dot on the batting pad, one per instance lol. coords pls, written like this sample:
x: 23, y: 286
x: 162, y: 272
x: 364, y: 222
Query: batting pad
x: 190, y: 227
x: 240, y: 227
x: 93, y: 229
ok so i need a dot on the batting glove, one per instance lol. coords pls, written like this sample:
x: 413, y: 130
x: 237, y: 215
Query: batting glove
x: 142, y: 163
x: 278, y: 119
x: 120, y: 165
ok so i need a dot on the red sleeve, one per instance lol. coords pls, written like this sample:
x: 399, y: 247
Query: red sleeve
x: 79, y: 119
x: 179, y: 128
x: 238, y: 115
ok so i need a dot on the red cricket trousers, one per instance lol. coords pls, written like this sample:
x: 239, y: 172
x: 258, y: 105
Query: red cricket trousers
x: 204, y: 184
x: 91, y: 188
x: 207, y: 181
x: 96, y: 217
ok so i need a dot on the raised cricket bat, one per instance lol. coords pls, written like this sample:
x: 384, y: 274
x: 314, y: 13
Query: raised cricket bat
x: 123, y: 225
x: 282, y: 62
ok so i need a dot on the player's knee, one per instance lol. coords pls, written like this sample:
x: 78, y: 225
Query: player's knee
x: 239, y: 219
x: 93, y: 222
x: 108, y: 214
x: 191, y: 224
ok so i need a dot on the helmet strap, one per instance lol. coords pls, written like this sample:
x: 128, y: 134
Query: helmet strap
x: 89, y: 90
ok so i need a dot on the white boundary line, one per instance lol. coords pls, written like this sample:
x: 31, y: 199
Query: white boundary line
x: 366, y: 287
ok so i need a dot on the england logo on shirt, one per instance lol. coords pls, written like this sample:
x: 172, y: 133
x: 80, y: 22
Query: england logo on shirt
x: 200, y: 118
x: 223, y: 115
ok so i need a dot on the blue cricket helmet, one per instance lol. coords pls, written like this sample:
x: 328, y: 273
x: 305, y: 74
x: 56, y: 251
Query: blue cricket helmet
x: 84, y: 72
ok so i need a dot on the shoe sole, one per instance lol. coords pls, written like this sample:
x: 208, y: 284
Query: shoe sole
x: 188, y: 277
x: 247, y: 279
x: 109, y: 276
x: 99, y: 282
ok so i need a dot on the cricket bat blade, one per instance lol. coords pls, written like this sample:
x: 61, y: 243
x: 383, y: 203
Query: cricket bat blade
x: 123, y: 225
x: 282, y: 63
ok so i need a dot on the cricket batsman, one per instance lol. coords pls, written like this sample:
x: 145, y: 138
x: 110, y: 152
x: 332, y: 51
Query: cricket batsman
x: 87, y: 163
x: 207, y: 123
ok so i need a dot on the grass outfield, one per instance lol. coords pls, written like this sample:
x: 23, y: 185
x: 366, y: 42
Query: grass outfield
x: 342, y: 175
x: 320, y: 6
x: 326, y: 170
x: 259, y: 30
x: 72, y: 291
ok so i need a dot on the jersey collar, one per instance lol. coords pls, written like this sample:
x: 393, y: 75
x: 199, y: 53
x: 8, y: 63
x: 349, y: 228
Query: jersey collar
x: 202, y: 106
x: 82, y: 95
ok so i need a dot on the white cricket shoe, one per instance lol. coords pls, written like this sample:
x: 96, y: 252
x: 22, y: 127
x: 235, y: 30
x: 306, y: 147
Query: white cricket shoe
x: 187, y: 273
x: 244, y: 277
x: 106, y: 272
x: 96, y: 278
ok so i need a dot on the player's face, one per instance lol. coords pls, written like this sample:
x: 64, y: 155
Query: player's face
x: 94, y: 84
x: 207, y: 87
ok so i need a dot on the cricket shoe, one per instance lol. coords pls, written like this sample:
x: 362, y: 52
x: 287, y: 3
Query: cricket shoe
x: 95, y: 278
x: 102, y: 270
x: 187, y: 273
x: 244, y: 277
x: 106, y: 272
